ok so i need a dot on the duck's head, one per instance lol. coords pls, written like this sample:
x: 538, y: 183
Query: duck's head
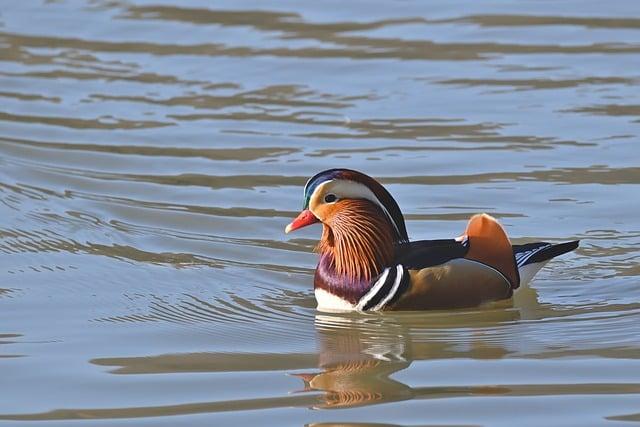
x: 330, y: 191
x: 360, y: 218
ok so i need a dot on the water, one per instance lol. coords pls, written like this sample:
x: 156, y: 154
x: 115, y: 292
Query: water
x: 151, y: 154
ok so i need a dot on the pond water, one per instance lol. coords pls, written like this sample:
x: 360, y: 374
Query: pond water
x: 151, y: 153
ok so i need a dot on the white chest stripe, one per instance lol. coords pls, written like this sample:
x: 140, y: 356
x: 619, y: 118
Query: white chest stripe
x: 390, y: 284
x: 373, y: 291
x: 380, y: 287
x: 394, y: 289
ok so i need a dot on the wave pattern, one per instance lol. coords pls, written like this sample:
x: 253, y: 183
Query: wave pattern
x: 151, y: 155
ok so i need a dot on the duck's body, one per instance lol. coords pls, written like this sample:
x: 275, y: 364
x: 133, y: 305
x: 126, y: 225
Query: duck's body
x: 367, y: 262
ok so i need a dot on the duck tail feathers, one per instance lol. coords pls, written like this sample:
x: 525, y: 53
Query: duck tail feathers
x: 542, y: 251
x: 530, y: 258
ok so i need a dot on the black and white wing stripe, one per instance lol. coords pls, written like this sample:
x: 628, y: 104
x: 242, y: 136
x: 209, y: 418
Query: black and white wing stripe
x: 526, y: 255
x: 530, y: 258
x: 541, y: 251
x: 386, y: 289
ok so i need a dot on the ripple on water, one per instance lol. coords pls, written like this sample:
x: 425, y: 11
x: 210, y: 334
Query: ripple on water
x: 150, y: 156
x: 272, y: 314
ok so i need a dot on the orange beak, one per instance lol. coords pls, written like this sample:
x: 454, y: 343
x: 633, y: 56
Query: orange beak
x: 303, y: 219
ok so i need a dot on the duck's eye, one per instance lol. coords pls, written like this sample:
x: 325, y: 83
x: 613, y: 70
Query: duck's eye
x: 330, y: 198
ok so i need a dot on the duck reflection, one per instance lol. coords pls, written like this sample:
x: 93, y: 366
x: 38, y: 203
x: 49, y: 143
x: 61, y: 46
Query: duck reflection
x: 357, y: 362
x: 358, y: 353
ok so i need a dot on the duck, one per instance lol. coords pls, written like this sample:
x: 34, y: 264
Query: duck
x: 367, y: 262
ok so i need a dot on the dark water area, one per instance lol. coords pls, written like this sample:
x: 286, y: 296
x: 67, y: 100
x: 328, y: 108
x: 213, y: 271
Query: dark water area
x: 151, y: 154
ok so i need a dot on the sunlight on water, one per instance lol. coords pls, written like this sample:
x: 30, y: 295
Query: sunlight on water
x: 151, y: 154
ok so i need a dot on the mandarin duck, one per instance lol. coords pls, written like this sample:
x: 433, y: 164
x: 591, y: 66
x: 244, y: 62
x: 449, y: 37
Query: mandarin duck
x: 367, y: 262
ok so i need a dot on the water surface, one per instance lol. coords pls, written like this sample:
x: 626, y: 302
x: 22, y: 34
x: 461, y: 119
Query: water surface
x: 151, y: 154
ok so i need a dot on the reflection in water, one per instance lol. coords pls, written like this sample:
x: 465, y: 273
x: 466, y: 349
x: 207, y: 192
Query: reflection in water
x: 356, y: 359
x: 6, y: 339
x: 302, y: 401
x: 629, y: 417
x: 358, y: 354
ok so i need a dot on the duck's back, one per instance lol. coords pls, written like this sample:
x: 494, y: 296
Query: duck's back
x: 478, y: 267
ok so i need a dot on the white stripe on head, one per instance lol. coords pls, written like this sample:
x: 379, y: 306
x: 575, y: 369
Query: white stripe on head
x: 345, y: 189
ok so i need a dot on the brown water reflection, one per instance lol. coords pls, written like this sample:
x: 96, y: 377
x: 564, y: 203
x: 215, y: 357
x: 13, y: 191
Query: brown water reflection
x: 358, y: 355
